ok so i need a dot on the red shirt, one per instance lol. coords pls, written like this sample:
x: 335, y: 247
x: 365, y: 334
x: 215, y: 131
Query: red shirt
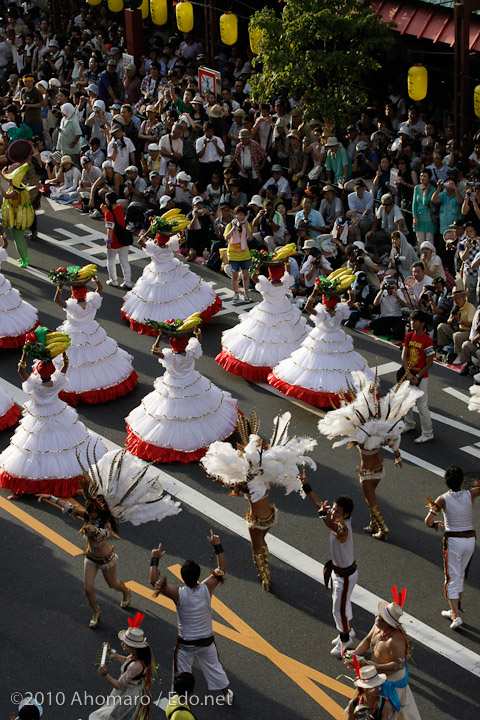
x: 109, y: 222
x: 419, y: 348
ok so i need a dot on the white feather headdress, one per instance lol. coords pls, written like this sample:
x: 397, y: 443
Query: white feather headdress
x: 368, y: 420
x: 255, y: 465
x: 474, y: 403
x: 130, y: 486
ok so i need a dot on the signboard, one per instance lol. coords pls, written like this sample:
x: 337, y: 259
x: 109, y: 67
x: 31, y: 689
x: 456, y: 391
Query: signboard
x: 208, y: 81
x: 126, y: 60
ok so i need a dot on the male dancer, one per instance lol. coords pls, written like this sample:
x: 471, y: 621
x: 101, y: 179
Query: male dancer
x: 194, y: 613
x: 342, y: 568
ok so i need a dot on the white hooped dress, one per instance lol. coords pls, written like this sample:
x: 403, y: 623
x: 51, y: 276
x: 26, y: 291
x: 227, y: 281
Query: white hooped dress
x: 267, y: 334
x: 183, y: 415
x: 319, y: 370
x: 167, y: 289
x: 9, y: 412
x: 98, y: 369
x: 42, y: 455
x: 17, y: 317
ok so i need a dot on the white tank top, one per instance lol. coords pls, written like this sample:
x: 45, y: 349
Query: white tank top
x: 194, y: 611
x: 458, y: 513
x: 342, y: 553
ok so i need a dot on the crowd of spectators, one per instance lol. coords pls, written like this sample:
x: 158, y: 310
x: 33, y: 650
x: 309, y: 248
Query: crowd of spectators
x: 388, y: 195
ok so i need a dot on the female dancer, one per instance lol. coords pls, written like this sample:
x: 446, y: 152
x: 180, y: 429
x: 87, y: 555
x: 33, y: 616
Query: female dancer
x: 270, y: 332
x: 17, y: 317
x: 185, y: 412
x: 44, y: 450
x: 98, y: 369
x: 368, y: 703
x: 318, y: 371
x: 368, y: 422
x: 130, y: 698
x: 17, y: 211
x: 252, y: 468
x: 166, y: 289
x: 117, y: 488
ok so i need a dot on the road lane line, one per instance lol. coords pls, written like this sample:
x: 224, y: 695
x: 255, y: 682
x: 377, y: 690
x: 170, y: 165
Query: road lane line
x: 471, y: 450
x: 457, y: 394
x: 300, y: 561
x: 386, y: 368
x: 452, y: 423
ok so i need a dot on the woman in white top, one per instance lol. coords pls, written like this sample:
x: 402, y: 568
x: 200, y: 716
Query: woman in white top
x: 431, y: 261
x: 458, y: 539
x: 120, y: 150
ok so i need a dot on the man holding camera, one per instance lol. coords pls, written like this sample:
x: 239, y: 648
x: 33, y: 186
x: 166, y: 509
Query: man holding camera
x: 438, y: 302
x: 391, y: 300
x: 468, y: 249
x: 389, y: 217
x: 359, y: 261
x: 458, y: 325
x: 268, y: 227
x: 210, y: 152
x: 450, y: 199
x: 313, y: 218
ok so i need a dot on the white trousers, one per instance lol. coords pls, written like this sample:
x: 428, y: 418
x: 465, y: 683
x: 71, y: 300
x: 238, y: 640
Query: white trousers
x: 342, y: 589
x: 457, y: 554
x: 122, y: 254
x: 208, y: 660
x: 422, y: 406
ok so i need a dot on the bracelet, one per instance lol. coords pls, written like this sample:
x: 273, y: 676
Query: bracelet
x: 218, y: 549
x: 307, y: 489
x: 53, y: 499
x: 22, y: 365
x: 154, y: 562
x: 112, y: 652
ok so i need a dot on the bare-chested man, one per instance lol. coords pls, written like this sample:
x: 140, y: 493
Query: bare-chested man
x: 388, y: 645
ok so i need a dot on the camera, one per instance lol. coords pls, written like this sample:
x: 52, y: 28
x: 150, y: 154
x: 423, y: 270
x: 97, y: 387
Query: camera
x: 358, y: 254
x: 128, y: 183
x: 397, y: 258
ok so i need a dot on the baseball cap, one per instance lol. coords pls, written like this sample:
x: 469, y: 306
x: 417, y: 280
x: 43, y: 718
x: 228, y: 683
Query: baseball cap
x: 99, y: 104
x: 244, y: 133
x: 85, y: 159
x: 131, y: 66
x: 358, y: 183
x: 13, y: 78
x: 277, y: 168
x: 153, y: 146
x: 164, y: 201
x: 197, y: 200
x: 150, y: 108
x: 92, y: 88
x: 107, y: 164
x: 256, y: 200
x: 131, y: 168
x: 153, y: 173
x: 112, y: 62
x: 361, y: 278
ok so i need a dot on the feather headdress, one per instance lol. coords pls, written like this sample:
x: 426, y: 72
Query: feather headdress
x: 366, y: 419
x: 129, y: 486
x: 255, y: 465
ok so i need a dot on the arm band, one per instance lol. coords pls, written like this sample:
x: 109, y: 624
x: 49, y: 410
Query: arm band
x: 307, y: 488
x: 218, y: 549
x: 154, y: 562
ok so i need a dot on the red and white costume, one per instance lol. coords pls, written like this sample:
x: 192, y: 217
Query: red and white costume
x: 9, y: 412
x: 321, y: 367
x: 167, y: 289
x: 42, y: 455
x: 98, y: 369
x: 17, y: 317
x: 184, y: 414
x: 267, y: 334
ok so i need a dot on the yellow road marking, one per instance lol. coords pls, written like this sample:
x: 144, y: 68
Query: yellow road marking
x: 39, y: 527
x: 239, y: 632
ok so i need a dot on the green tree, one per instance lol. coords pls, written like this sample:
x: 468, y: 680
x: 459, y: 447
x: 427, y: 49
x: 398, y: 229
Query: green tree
x: 320, y: 52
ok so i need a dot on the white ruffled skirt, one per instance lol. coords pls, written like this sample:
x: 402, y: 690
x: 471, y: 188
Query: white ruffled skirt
x: 17, y: 317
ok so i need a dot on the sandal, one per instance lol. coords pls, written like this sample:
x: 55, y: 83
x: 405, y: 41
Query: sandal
x: 127, y: 596
x: 95, y: 619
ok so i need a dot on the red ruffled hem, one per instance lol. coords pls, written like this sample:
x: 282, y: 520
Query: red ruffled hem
x: 139, y: 327
x: 61, y: 487
x: 18, y: 341
x: 92, y: 397
x: 10, y: 417
x: 212, y: 310
x: 153, y: 453
x: 319, y: 399
x: 237, y: 367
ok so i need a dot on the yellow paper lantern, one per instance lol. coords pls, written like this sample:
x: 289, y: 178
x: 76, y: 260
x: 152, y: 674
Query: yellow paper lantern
x: 94, y: 2
x: 476, y: 101
x: 144, y: 8
x: 417, y: 82
x: 159, y: 11
x: 228, y: 28
x: 255, y: 36
x: 184, y: 13
x: 115, y: 5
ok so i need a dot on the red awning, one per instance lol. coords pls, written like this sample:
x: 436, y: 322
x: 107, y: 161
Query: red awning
x: 425, y: 21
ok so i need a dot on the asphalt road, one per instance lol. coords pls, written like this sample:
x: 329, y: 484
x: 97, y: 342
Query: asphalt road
x: 275, y: 647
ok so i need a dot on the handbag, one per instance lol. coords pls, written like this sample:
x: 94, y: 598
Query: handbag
x: 124, y: 236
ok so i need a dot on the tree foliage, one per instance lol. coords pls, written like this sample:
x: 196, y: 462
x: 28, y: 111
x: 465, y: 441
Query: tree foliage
x: 319, y: 51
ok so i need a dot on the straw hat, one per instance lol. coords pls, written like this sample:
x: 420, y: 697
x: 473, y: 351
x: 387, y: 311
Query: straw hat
x: 370, y: 677
x: 66, y: 159
x: 331, y: 141
x: 133, y: 637
x: 215, y: 111
x: 390, y: 613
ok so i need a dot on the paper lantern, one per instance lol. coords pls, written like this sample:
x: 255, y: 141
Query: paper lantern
x: 417, y: 82
x: 94, y: 2
x: 159, y: 11
x: 115, y: 5
x: 144, y: 8
x: 228, y: 28
x: 476, y: 101
x: 184, y: 13
x: 255, y: 36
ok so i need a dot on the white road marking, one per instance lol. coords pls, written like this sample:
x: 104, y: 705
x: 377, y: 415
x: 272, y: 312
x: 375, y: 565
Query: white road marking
x: 31, y: 270
x: 417, y: 630
x: 386, y: 368
x: 420, y: 462
x: 295, y: 401
x: 56, y: 207
x: 453, y: 423
x: 94, y: 241
x: 457, y: 394
x: 472, y: 450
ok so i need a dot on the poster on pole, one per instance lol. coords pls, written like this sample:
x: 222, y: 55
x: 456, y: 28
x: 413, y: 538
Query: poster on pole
x: 208, y: 81
x: 127, y: 60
